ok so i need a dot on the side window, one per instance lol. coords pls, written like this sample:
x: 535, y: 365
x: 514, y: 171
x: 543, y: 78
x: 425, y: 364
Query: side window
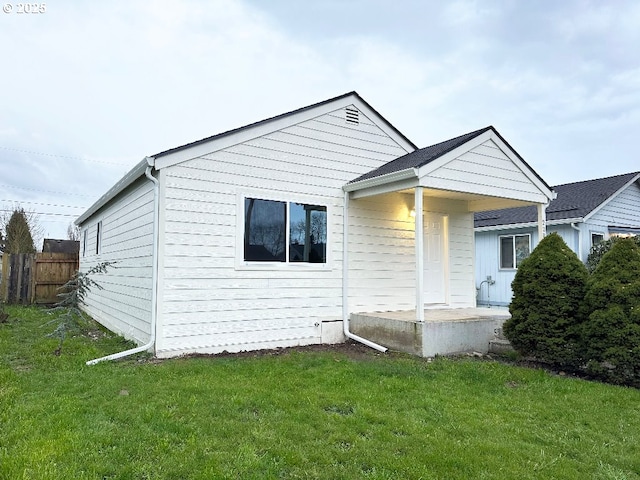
x: 287, y: 232
x: 596, y: 238
x: 514, y: 249
x: 98, y: 237
x: 84, y: 242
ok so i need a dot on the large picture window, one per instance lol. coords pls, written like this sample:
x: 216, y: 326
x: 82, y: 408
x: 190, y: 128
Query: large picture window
x: 514, y: 249
x: 284, y: 232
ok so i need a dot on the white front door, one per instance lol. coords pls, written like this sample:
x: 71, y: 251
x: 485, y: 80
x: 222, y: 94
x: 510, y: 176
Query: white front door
x: 435, y: 258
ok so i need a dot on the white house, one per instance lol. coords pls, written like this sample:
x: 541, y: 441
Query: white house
x: 583, y: 214
x: 274, y: 234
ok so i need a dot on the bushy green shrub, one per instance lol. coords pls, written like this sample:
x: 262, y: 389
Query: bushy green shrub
x: 600, y: 249
x: 546, y: 309
x: 611, y: 334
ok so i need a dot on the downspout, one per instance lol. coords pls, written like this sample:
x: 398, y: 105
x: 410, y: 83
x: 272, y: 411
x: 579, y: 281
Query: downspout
x: 345, y: 281
x: 577, y: 229
x: 154, y: 275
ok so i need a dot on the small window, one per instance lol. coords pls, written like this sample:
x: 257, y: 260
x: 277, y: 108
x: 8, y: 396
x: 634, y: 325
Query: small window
x: 84, y: 242
x: 514, y: 249
x: 98, y: 237
x: 284, y: 232
x: 597, y: 238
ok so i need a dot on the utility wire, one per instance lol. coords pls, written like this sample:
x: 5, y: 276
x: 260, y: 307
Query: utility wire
x: 20, y: 202
x: 63, y: 156
x: 47, y: 191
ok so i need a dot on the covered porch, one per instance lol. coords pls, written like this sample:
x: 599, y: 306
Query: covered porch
x: 409, y: 243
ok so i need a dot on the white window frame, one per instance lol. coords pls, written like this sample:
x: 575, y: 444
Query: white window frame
x: 513, y: 246
x: 84, y: 242
x: 597, y: 233
x: 242, y: 264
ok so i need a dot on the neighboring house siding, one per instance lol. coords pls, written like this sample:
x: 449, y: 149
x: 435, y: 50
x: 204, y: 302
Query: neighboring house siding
x: 124, y: 303
x: 382, y: 262
x: 487, y: 260
x: 212, y: 304
x: 622, y: 211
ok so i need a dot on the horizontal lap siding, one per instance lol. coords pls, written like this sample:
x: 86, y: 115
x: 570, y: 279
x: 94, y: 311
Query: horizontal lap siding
x: 484, y: 168
x: 622, y: 211
x: 124, y: 303
x: 208, y: 305
x: 381, y: 254
x: 461, y: 261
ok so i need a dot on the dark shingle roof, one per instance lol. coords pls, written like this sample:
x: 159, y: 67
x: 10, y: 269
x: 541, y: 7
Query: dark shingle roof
x: 574, y: 200
x: 422, y: 156
x: 426, y: 155
x: 52, y: 245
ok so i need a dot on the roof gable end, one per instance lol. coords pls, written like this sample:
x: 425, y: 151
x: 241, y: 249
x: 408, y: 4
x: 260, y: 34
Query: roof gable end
x: 279, y: 122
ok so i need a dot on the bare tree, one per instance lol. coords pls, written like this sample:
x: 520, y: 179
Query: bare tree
x: 73, y: 232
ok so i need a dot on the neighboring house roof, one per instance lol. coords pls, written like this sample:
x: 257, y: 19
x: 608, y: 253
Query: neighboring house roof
x: 273, y: 122
x: 575, y: 200
x: 426, y: 155
x: 51, y: 245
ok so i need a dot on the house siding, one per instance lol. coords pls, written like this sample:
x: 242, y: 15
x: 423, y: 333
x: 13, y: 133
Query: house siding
x: 123, y: 304
x: 482, y: 169
x: 461, y: 259
x: 621, y: 211
x: 212, y: 301
x: 382, y: 262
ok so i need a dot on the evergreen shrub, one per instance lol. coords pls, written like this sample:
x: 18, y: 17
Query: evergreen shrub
x: 611, y: 334
x: 600, y: 249
x: 546, y: 309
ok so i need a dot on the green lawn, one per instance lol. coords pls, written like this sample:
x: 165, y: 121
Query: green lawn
x: 335, y: 414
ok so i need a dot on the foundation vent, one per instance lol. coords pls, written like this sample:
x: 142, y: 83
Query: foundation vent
x: 353, y: 116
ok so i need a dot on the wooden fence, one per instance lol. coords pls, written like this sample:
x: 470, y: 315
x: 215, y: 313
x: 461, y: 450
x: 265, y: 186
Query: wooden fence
x: 35, y: 277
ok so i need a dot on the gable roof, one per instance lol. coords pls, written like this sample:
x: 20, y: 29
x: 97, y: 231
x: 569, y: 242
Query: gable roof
x: 281, y: 116
x: 424, y: 156
x: 575, y: 200
x: 177, y: 154
x: 52, y: 245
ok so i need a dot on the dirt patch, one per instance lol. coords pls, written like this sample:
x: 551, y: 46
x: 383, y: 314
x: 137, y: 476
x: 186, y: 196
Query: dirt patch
x: 352, y: 350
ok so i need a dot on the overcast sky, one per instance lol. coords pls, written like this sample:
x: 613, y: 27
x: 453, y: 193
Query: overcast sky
x: 91, y: 88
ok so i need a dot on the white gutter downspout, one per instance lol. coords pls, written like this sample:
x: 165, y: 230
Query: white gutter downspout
x: 577, y: 229
x: 345, y: 281
x: 154, y: 275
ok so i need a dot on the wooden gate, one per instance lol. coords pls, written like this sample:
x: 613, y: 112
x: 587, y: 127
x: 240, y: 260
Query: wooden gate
x: 35, y: 278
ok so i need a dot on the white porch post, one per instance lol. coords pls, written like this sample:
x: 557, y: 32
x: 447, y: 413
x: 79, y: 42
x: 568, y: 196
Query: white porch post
x: 542, y: 221
x: 419, y: 236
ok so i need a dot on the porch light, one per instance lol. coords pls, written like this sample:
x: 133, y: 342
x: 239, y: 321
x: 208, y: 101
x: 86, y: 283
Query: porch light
x: 412, y: 212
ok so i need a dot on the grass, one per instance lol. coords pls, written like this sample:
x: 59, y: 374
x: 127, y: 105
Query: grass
x: 347, y: 413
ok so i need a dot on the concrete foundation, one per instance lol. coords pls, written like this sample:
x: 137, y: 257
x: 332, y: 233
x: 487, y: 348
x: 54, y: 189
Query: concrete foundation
x: 444, y: 331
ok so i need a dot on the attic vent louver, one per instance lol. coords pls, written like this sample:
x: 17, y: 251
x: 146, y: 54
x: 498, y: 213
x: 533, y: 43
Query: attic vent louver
x: 353, y: 116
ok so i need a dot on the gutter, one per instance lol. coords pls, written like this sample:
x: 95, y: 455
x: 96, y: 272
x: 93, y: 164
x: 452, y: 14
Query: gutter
x: 154, y: 275
x: 577, y: 229
x: 405, y: 174
x: 345, y: 281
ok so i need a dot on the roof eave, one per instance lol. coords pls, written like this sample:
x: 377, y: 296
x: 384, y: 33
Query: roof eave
x: 515, y: 226
x: 130, y: 177
x: 386, y: 179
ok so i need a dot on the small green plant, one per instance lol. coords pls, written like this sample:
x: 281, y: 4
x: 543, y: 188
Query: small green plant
x: 611, y: 335
x: 69, y: 314
x: 546, y: 311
